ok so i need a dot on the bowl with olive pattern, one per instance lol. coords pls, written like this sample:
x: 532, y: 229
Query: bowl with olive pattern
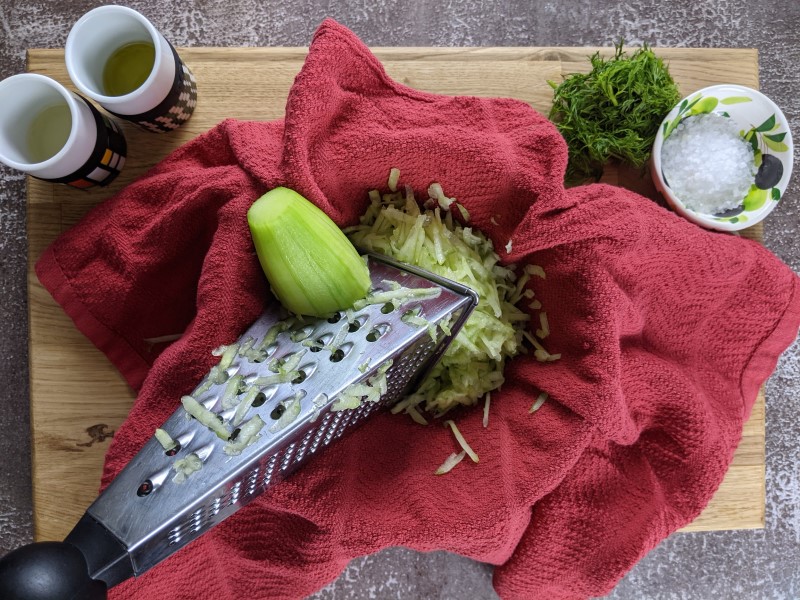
x: 762, y: 125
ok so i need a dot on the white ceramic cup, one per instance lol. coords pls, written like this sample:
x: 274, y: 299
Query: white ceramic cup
x: 163, y: 102
x: 86, y: 148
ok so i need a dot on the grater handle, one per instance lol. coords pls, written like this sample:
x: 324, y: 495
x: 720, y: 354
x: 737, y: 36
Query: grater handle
x: 48, y: 571
x: 82, y: 567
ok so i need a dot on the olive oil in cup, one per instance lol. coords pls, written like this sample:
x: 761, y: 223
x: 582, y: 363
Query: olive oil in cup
x: 53, y: 134
x: 48, y: 132
x: 128, y: 68
x: 117, y: 58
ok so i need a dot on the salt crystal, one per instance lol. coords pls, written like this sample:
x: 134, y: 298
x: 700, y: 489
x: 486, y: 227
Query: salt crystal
x: 707, y: 164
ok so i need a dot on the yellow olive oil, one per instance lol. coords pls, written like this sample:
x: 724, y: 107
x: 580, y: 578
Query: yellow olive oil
x: 48, y: 132
x: 128, y: 67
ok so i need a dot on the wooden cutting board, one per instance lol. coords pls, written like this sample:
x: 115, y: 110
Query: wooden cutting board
x: 78, y: 399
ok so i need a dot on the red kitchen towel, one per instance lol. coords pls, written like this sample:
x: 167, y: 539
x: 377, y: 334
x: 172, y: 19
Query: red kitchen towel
x: 666, y: 332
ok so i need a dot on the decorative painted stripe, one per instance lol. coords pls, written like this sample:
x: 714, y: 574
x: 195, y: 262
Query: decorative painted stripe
x: 109, y: 147
x: 176, y: 108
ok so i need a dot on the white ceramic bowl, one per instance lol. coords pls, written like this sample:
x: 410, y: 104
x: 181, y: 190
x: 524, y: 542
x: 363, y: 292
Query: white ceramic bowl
x: 761, y: 123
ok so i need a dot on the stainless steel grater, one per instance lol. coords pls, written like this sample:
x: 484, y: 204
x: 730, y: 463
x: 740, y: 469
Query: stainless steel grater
x: 144, y: 515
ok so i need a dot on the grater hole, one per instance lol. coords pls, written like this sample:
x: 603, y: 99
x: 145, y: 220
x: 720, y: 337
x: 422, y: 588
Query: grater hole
x: 234, y: 434
x: 145, y: 488
x: 299, y: 335
x: 277, y: 412
x: 174, y: 450
x: 335, y: 317
x: 321, y: 342
x: 259, y: 399
x: 377, y: 332
x: 266, y: 353
x: 309, y: 369
x: 356, y: 324
x: 387, y: 308
x: 339, y: 354
x: 301, y: 377
x: 414, y: 311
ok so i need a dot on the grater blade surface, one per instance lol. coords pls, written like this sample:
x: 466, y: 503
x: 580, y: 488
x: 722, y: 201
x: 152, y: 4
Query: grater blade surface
x: 170, y: 515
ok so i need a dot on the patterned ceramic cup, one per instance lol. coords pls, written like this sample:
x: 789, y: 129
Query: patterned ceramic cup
x: 54, y: 134
x: 118, y: 59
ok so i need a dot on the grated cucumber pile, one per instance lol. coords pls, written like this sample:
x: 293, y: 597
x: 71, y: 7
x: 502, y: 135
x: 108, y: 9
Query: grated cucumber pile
x: 429, y: 237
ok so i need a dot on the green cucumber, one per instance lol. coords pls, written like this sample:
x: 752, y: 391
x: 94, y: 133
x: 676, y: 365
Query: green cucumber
x: 312, y: 267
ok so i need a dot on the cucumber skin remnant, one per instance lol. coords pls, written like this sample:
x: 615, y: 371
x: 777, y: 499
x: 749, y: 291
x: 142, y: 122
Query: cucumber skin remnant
x: 311, y: 266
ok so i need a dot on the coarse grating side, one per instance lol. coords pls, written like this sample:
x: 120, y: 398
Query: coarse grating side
x: 154, y: 516
x: 331, y: 427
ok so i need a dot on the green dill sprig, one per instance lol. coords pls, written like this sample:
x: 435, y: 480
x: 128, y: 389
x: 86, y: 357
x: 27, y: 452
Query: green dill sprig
x: 612, y: 112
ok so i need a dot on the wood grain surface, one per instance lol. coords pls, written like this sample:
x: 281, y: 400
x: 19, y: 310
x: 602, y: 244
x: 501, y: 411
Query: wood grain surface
x: 78, y: 398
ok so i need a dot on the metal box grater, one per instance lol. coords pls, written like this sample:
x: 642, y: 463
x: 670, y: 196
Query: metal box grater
x: 150, y: 527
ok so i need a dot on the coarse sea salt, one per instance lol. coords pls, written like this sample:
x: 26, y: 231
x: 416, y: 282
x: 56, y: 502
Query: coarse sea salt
x: 707, y: 164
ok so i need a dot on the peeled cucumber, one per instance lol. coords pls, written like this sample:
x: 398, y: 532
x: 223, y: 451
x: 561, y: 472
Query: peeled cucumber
x: 310, y: 264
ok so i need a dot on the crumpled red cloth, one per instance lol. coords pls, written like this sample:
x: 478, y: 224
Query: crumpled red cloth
x: 666, y: 332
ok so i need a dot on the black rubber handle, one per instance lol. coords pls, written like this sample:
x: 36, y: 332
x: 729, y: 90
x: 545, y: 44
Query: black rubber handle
x: 82, y: 567
x: 48, y: 571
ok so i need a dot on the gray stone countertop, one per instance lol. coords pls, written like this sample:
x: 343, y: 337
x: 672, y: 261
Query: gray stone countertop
x: 730, y: 565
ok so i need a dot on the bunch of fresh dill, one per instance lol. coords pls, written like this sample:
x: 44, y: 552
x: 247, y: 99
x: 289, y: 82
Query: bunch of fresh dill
x: 612, y: 112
